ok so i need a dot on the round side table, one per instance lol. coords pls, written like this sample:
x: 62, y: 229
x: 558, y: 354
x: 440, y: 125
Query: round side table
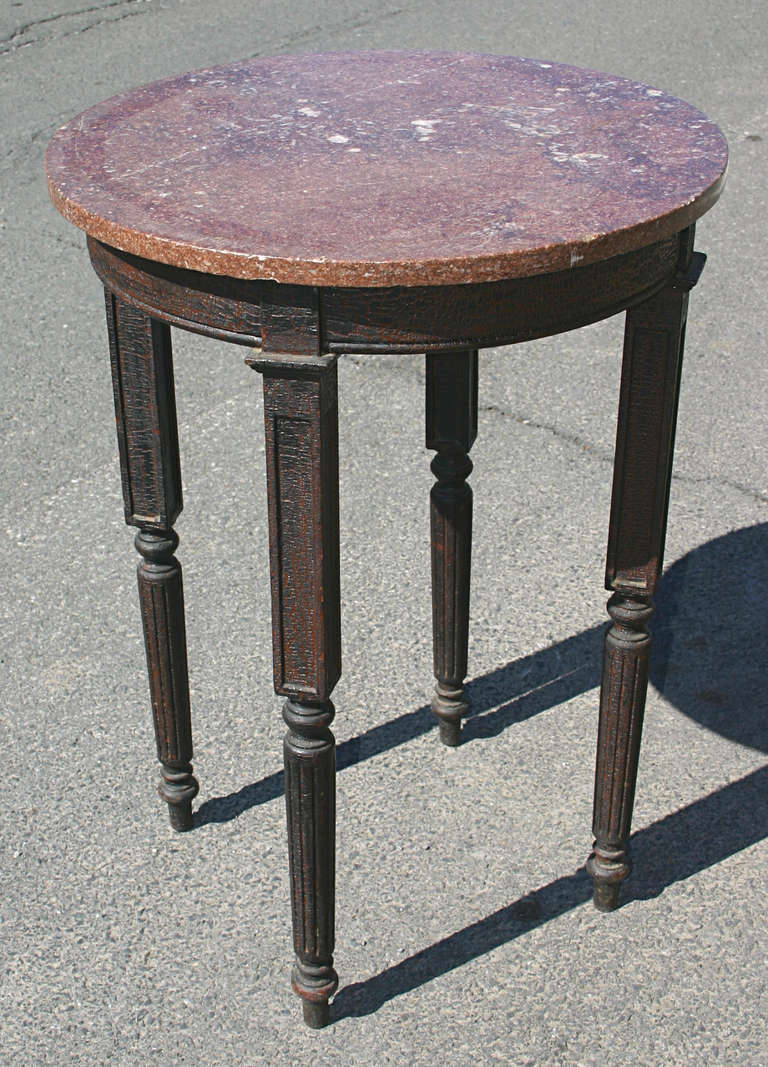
x: 314, y: 205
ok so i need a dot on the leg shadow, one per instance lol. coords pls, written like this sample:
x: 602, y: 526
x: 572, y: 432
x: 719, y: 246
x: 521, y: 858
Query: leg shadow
x: 708, y: 659
x: 674, y: 848
x: 526, y: 687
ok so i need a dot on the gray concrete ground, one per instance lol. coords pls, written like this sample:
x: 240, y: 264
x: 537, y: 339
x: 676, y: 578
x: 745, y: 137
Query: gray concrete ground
x: 464, y: 929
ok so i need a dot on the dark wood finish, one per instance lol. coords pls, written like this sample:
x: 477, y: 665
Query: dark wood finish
x: 301, y: 423
x: 310, y: 802
x: 451, y: 424
x: 626, y: 653
x: 161, y: 597
x: 375, y: 169
x: 301, y: 428
x: 653, y: 350
x: 300, y: 413
x: 392, y: 319
x: 428, y: 202
x: 290, y: 319
x: 488, y: 314
x: 145, y: 411
x: 646, y: 430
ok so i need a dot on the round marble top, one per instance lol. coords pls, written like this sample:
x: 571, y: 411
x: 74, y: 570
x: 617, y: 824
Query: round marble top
x: 386, y: 168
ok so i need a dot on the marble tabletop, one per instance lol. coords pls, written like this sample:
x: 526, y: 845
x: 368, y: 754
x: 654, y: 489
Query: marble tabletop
x: 386, y: 168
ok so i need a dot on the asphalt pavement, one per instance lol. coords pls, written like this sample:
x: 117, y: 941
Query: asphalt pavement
x: 464, y: 929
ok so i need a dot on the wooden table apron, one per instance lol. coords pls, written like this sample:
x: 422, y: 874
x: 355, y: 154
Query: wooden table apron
x: 299, y: 330
x: 311, y: 320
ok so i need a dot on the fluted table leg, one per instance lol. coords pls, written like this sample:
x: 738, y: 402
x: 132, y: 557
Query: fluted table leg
x: 653, y: 349
x: 145, y: 410
x: 301, y: 419
x: 451, y: 425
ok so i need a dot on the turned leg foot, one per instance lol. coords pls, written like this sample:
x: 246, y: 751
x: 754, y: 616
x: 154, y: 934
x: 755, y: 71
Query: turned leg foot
x: 608, y: 869
x: 451, y: 422
x: 178, y: 788
x: 316, y: 1014
x: 650, y: 384
x: 606, y: 894
x: 301, y: 419
x: 161, y: 597
x: 622, y: 704
x: 142, y: 379
x: 450, y: 705
x: 310, y: 798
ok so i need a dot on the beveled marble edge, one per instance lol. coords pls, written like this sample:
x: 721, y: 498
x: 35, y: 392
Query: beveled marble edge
x: 488, y: 268
x: 452, y: 268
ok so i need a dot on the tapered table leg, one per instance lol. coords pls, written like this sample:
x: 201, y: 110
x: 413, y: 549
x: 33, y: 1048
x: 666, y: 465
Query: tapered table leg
x: 653, y: 349
x: 142, y: 378
x: 451, y: 425
x: 301, y: 419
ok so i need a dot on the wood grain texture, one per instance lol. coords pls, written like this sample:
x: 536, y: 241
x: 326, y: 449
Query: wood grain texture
x: 161, y: 598
x: 291, y: 319
x: 648, y: 401
x: 310, y: 797
x: 484, y: 315
x: 145, y: 412
x: 626, y: 655
x: 301, y: 427
x: 392, y: 318
x: 451, y: 428
x: 650, y: 387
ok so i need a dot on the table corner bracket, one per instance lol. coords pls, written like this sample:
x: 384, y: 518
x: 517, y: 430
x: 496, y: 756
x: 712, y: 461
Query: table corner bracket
x: 687, y: 278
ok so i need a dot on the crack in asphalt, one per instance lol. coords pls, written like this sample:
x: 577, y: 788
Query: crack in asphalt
x: 354, y: 22
x: 604, y: 456
x: 600, y: 455
x: 14, y: 41
x: 44, y: 506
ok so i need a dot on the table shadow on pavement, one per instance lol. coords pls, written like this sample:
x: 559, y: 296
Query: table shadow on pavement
x: 708, y: 661
x: 522, y: 689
